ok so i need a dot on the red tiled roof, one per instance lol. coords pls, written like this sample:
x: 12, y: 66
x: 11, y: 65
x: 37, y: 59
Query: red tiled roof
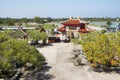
x: 74, y: 22
x: 85, y: 29
x: 62, y: 29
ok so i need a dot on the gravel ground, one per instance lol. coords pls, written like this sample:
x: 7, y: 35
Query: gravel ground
x: 59, y: 66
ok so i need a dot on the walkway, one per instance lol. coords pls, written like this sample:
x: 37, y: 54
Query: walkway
x: 60, y: 67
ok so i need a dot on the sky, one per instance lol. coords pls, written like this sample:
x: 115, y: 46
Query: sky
x: 59, y: 8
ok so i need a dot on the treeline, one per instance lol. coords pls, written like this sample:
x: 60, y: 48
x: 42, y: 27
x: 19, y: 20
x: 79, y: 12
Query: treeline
x: 36, y: 19
x: 13, y: 21
x: 91, y: 19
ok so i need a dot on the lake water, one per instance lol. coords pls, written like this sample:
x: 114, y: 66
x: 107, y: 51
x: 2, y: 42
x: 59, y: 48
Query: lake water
x: 103, y: 23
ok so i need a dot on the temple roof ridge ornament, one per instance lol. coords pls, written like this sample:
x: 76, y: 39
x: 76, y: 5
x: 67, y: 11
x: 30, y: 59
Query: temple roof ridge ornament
x: 71, y: 17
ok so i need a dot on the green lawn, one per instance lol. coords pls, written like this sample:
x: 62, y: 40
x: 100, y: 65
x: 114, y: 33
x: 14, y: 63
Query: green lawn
x: 48, y: 26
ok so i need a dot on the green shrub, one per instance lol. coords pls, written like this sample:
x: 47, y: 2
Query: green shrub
x: 102, y: 49
x: 18, y: 51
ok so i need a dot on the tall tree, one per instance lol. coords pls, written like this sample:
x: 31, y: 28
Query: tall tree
x: 109, y: 23
x: 9, y: 21
x: 24, y: 20
x: 38, y: 20
x: 36, y: 35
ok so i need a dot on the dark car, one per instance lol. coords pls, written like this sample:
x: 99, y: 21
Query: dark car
x: 53, y: 39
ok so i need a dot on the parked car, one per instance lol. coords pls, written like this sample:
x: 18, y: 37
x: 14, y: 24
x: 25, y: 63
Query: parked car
x: 34, y: 43
x: 53, y: 39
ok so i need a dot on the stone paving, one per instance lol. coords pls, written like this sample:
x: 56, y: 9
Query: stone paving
x: 59, y: 66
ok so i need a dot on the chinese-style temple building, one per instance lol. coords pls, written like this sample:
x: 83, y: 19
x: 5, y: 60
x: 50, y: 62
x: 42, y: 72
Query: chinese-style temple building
x: 72, y: 27
x: 20, y: 33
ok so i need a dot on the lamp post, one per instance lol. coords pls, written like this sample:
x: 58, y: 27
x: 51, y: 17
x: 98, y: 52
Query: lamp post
x: 117, y: 21
x: 118, y: 24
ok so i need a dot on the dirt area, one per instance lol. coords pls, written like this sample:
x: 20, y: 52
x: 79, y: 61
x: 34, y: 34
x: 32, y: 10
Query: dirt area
x: 60, y: 67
